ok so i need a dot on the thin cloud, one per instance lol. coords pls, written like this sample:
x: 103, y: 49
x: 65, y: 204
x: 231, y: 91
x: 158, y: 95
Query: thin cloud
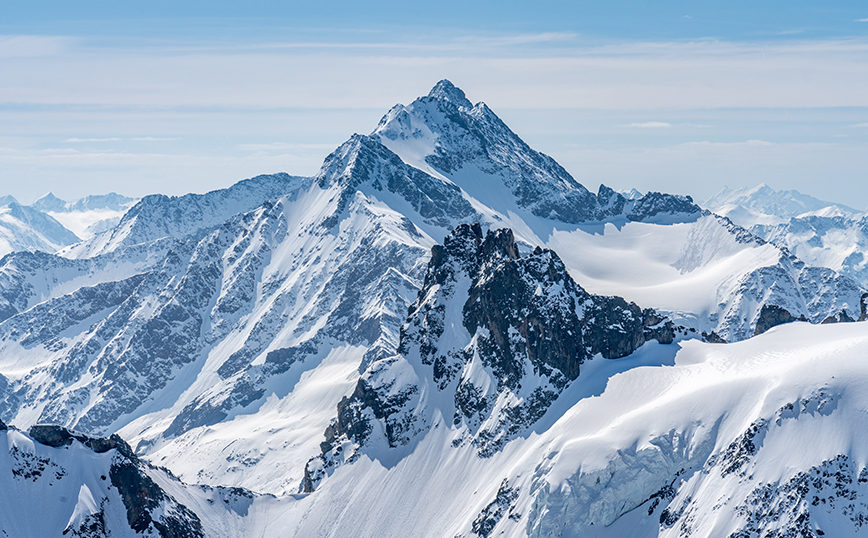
x: 153, y: 139
x: 861, y: 20
x: 76, y: 140
x: 652, y: 125
x: 277, y: 146
x: 748, y: 143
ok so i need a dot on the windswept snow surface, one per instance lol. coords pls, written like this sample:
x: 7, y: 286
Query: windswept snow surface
x: 670, y: 428
x: 690, y: 439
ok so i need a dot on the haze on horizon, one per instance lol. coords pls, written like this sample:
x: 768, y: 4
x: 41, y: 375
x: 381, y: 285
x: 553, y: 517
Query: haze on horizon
x: 680, y: 98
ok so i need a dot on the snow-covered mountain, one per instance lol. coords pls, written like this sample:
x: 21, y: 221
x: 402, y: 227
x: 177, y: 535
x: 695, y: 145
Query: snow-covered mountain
x: 258, y: 336
x: 87, y: 216
x: 634, y: 447
x: 819, y: 233
x: 25, y: 228
x: 764, y: 201
x: 158, y: 216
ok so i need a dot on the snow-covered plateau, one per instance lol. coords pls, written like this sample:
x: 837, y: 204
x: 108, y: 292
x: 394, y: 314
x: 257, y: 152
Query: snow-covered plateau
x: 442, y: 333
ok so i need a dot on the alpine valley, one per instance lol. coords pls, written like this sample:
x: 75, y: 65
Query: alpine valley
x: 440, y: 334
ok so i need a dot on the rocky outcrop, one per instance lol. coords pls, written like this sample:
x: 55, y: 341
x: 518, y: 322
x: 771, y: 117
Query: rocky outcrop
x: 501, y: 333
x: 58, y: 436
x: 772, y: 316
x: 148, y: 507
x: 840, y: 317
x: 863, y: 307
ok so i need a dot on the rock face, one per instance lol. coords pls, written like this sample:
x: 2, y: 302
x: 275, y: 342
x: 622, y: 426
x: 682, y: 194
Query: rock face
x: 500, y: 334
x: 772, y: 316
x: 158, y: 216
x: 58, y: 436
x: 117, y: 494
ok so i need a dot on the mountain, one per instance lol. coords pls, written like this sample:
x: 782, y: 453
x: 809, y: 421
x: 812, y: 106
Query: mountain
x: 820, y: 233
x: 111, y: 201
x: 764, y: 200
x: 492, y: 340
x: 87, y: 216
x: 242, y: 336
x: 25, y: 228
x: 158, y: 216
x: 65, y: 483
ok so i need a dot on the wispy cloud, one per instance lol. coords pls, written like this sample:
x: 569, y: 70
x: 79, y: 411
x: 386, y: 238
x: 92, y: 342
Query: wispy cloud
x: 652, y: 125
x: 153, y: 139
x: 283, y: 146
x: 76, y: 140
x: 553, y: 71
x: 861, y: 20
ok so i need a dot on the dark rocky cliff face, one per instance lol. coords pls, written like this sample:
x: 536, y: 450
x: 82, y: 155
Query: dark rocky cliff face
x: 149, y: 509
x: 527, y: 329
x: 772, y: 316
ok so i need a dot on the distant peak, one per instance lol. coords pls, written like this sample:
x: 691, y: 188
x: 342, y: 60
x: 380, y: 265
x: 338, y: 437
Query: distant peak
x: 447, y: 91
x: 49, y: 202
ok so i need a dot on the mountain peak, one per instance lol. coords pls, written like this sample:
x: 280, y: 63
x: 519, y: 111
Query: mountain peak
x: 49, y: 202
x: 447, y: 91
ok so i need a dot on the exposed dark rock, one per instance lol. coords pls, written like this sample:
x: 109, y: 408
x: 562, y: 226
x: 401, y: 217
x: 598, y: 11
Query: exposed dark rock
x: 363, y: 159
x: 772, y: 316
x: 58, y: 436
x: 531, y: 326
x: 491, y: 515
x: 712, y: 338
x: 3, y: 426
x: 863, y: 304
x: 841, y: 317
x: 655, y: 203
x: 91, y: 526
x: 142, y: 498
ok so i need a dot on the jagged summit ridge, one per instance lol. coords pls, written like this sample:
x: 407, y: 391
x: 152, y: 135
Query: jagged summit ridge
x: 491, y: 341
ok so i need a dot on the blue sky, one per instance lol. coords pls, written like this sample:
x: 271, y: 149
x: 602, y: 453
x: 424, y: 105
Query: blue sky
x: 675, y: 96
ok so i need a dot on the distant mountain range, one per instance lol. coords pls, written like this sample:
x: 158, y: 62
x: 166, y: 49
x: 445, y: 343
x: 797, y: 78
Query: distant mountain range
x: 442, y: 333
x: 820, y: 233
x: 50, y: 223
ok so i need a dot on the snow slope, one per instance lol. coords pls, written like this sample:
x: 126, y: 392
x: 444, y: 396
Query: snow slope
x: 820, y: 233
x: 25, y: 228
x: 690, y: 439
x: 683, y: 439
